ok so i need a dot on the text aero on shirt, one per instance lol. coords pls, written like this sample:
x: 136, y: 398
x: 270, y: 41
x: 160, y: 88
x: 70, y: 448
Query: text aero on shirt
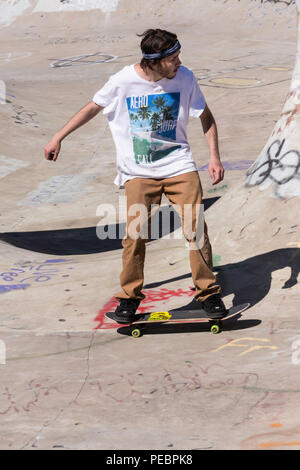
x: 148, y: 122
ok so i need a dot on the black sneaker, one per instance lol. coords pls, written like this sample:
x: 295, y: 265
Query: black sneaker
x: 214, y: 306
x: 125, y: 311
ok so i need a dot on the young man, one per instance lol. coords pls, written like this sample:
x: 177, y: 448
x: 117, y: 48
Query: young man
x: 148, y: 107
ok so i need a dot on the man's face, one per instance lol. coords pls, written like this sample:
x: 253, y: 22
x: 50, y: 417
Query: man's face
x: 169, y: 66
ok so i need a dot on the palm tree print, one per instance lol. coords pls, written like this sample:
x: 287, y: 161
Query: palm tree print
x: 144, y: 113
x: 167, y: 115
x: 160, y: 102
x: 163, y: 113
x: 157, y: 115
x: 155, y: 121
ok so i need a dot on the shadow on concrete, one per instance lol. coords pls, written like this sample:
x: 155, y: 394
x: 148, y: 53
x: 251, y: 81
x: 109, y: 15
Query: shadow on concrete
x: 173, y: 328
x: 76, y: 241
x: 249, y: 280
x: 84, y: 241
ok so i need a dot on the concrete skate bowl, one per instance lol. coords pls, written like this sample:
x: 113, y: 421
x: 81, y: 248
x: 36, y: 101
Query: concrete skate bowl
x: 176, y: 12
x: 71, y: 381
x: 58, y: 53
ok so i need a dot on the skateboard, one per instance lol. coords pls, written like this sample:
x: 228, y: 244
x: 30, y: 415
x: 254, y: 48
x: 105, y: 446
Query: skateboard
x: 177, y: 316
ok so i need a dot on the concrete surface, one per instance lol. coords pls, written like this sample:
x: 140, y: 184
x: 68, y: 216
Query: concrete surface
x: 69, y: 379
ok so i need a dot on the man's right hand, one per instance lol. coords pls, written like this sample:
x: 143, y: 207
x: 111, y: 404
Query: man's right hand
x: 52, y: 150
x: 89, y: 111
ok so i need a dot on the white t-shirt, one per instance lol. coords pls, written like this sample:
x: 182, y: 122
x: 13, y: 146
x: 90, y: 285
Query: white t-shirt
x: 148, y: 122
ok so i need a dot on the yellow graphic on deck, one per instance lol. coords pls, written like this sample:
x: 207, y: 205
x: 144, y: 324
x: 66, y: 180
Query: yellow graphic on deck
x: 160, y: 316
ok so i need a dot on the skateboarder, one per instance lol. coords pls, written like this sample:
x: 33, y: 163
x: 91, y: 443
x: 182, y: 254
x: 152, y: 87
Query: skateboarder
x: 148, y: 106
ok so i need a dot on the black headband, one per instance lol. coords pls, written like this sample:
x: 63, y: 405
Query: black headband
x: 161, y: 55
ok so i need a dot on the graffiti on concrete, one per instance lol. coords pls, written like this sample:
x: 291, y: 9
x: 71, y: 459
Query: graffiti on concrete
x: 147, y: 305
x: 28, y: 274
x: 286, y: 2
x: 279, y: 163
x: 58, y: 189
x: 88, y: 59
x: 9, y: 165
x: 231, y: 165
x: 225, y: 78
x: 279, y: 166
x: 106, y: 6
x: 249, y: 347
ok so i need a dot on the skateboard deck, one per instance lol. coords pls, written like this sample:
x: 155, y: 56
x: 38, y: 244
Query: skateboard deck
x: 177, y: 316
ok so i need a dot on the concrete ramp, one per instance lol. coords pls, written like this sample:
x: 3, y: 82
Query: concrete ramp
x: 258, y: 217
x: 71, y: 379
x: 279, y: 162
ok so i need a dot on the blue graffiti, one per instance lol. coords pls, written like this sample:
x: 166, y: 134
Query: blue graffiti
x: 232, y: 166
x: 41, y: 273
x: 10, y: 287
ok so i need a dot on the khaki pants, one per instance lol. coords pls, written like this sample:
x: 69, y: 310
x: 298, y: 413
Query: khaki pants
x: 180, y: 190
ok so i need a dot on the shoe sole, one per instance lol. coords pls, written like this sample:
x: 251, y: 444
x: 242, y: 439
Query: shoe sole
x: 123, y: 321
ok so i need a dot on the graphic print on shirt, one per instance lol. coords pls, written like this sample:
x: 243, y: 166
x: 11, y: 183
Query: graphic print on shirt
x: 153, y: 121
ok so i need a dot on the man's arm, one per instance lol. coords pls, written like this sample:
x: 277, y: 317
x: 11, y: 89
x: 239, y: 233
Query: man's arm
x: 209, y: 126
x: 89, y: 111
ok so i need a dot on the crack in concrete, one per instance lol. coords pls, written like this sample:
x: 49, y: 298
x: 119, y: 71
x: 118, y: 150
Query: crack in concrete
x: 33, y: 440
x: 67, y: 351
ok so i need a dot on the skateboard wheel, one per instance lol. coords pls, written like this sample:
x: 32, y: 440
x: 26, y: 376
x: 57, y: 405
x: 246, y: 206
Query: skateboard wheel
x: 215, y: 329
x: 136, y: 333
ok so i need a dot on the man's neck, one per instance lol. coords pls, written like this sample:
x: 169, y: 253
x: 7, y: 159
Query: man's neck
x: 148, y: 74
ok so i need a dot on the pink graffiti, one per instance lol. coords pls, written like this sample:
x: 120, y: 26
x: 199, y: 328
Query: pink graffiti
x: 147, y: 305
x: 34, y: 395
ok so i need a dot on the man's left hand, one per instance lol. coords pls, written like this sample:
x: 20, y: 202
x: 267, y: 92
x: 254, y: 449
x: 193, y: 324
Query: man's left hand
x: 216, y: 171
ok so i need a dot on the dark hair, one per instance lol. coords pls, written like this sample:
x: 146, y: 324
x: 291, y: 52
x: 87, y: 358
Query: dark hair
x: 155, y: 40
